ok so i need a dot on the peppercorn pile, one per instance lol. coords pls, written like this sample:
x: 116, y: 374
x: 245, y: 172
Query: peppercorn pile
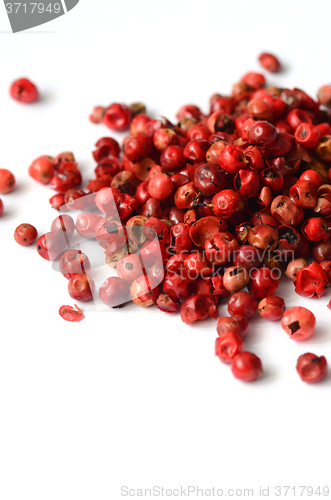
x: 215, y: 206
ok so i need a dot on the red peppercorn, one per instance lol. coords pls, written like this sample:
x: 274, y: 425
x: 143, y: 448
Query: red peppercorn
x: 70, y: 314
x: 242, y: 304
x: 197, y: 307
x: 1, y: 207
x: 67, y: 177
x: 117, y: 117
x: 196, y: 150
x: 262, y: 134
x: 177, y: 286
x: 254, y: 80
x: 312, y: 177
x: 220, y: 248
x: 167, y: 304
x: 137, y: 147
x: 271, y: 308
x: 311, y: 281
x: 227, y: 346
x: 74, y: 262
x: 110, y: 233
x: 50, y: 246
x: 299, y: 323
x: 259, y: 109
x: 138, y: 123
x: 23, y: 90
x: 294, y: 266
x: 160, y: 187
x: 198, y: 131
x: 312, y: 368
x: 81, y: 287
x: 316, y: 229
x: 185, y: 195
x: 263, y: 237
x: 172, y: 158
x: 303, y: 193
x: 235, y: 323
x: 97, y: 114
x: 246, y: 366
x: 180, y: 240
x: 164, y: 138
x: 42, y: 169
x: 25, y: 234
x: 232, y: 159
x: 63, y: 226
x: 269, y: 62
x: 307, y: 135
x: 227, y: 204
x: 248, y: 256
x: 209, y: 179
x: 152, y: 208
x: 247, y: 182
x: 286, y: 212
x: 144, y: 292
x: 57, y: 201
x: 7, y: 181
x: 197, y: 266
x: 324, y: 95
x: 114, y: 292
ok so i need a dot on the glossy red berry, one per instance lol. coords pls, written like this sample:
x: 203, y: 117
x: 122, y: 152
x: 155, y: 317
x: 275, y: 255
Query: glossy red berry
x: 316, y: 229
x: 114, y: 292
x: 172, y: 158
x: 220, y: 248
x: 311, y: 281
x: 25, y: 234
x: 312, y: 368
x: 63, y: 225
x: 228, y: 203
x: 232, y: 159
x: 197, y: 307
x: 74, y: 262
x: 23, y: 90
x: 210, y: 179
x: 7, y: 181
x: 235, y: 278
x: 196, y: 150
x: 227, y: 346
x: 299, y: 323
x: 144, y: 291
x: 50, y: 246
x: 246, y: 367
x: 42, y: 169
x: 271, y: 308
x: 242, y: 304
x: 263, y: 282
x: 235, y: 323
x: 117, y: 117
x: 307, y: 135
x: 160, y: 187
x: 129, y: 268
x: 269, y: 62
x: 167, y: 304
x: 138, y: 147
x: 81, y: 287
x: 254, y: 80
x: 70, y: 314
x: 262, y: 134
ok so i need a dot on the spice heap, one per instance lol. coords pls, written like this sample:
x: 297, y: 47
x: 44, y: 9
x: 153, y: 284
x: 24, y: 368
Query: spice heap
x: 215, y: 206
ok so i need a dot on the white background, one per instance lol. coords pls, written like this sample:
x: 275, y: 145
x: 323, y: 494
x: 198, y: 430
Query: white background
x: 132, y: 396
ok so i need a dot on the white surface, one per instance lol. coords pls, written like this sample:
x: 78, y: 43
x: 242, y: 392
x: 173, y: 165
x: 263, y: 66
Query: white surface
x: 135, y: 397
